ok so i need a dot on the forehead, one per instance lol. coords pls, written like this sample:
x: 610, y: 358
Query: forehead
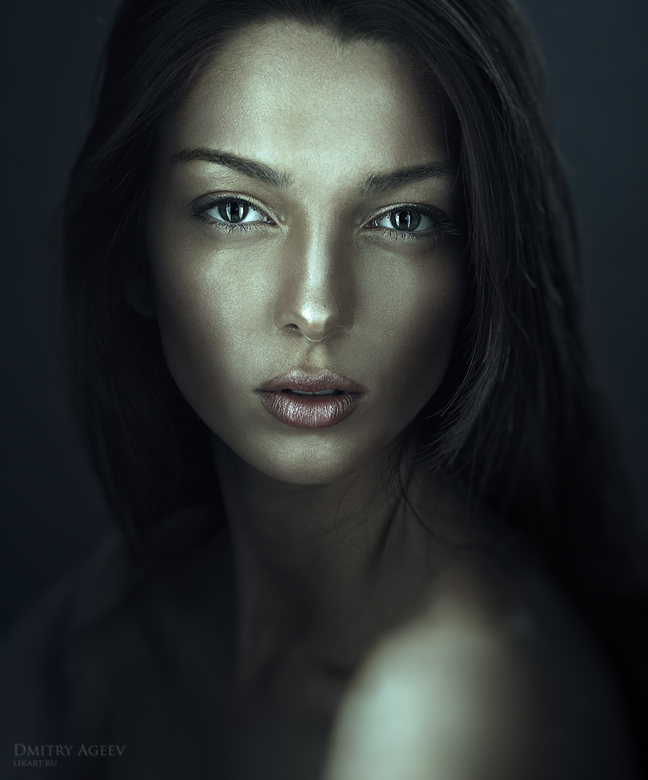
x: 290, y: 95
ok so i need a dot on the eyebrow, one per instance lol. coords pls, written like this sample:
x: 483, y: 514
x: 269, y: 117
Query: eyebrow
x: 255, y: 170
x: 377, y: 182
x: 380, y: 182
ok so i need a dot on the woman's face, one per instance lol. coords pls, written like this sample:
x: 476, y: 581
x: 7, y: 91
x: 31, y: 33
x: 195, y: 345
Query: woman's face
x: 301, y: 240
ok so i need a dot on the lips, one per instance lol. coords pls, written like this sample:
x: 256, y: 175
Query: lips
x: 303, y: 400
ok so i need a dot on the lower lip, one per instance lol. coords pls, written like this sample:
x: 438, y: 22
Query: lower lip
x: 309, y: 411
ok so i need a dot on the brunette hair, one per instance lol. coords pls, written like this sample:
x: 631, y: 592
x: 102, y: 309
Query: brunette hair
x: 518, y: 422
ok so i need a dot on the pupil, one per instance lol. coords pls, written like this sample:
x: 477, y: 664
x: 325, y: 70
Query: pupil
x: 233, y: 211
x: 405, y: 220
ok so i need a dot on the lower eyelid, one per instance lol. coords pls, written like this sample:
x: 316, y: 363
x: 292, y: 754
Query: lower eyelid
x: 235, y: 227
x: 405, y: 235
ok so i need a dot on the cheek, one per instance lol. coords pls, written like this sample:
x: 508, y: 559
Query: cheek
x: 207, y: 319
x: 416, y: 319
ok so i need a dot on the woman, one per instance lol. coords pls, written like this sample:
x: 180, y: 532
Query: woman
x: 321, y: 279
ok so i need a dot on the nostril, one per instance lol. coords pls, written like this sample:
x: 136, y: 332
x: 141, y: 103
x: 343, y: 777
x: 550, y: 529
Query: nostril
x: 315, y: 330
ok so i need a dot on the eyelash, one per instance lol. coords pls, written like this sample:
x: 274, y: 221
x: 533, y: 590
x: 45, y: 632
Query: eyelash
x: 442, y: 224
x: 200, y: 208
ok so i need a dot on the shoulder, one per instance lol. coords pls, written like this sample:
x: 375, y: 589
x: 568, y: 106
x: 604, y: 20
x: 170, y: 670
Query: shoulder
x: 86, y: 646
x: 66, y: 606
x: 482, y: 685
x: 113, y: 577
x: 35, y: 653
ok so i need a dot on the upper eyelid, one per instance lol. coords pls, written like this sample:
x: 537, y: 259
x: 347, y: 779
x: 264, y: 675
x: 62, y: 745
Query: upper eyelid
x: 423, y: 208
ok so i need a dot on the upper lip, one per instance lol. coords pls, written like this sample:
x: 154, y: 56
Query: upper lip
x: 311, y: 383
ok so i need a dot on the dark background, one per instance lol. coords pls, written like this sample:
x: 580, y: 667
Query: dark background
x: 51, y: 509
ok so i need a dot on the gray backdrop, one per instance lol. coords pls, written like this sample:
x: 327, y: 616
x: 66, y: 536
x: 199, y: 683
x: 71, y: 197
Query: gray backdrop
x: 52, y: 513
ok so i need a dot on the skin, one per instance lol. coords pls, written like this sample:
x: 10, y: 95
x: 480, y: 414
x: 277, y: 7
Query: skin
x: 327, y: 558
x: 317, y: 288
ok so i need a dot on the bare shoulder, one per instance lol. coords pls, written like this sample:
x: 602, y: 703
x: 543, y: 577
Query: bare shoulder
x: 492, y: 679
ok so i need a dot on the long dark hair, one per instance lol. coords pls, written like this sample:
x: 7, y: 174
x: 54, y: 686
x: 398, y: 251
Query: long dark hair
x: 519, y: 422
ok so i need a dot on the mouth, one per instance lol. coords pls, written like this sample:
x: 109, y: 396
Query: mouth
x: 303, y: 400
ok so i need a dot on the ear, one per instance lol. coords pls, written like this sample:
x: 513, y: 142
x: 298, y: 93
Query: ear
x: 137, y: 286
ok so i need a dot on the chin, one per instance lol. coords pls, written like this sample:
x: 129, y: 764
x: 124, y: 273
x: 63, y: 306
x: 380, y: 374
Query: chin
x: 311, y: 459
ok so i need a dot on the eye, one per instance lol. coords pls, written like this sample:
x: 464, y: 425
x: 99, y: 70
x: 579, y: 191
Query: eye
x: 234, y: 211
x: 229, y: 213
x: 409, y: 221
x: 405, y: 219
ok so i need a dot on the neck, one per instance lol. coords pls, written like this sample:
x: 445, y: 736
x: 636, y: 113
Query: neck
x: 310, y: 560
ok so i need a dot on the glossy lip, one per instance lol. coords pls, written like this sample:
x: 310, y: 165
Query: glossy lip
x: 313, y: 412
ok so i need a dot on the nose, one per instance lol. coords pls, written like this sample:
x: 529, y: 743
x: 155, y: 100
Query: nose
x: 315, y: 297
